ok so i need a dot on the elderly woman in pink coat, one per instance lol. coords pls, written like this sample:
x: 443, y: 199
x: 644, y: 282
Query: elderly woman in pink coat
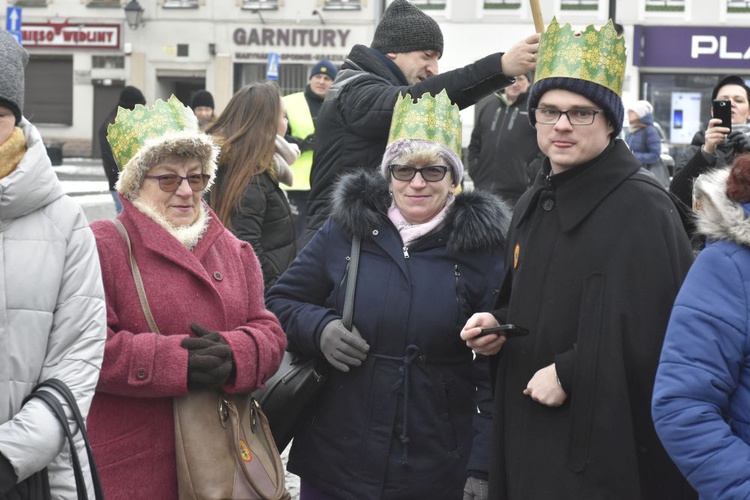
x: 204, y: 287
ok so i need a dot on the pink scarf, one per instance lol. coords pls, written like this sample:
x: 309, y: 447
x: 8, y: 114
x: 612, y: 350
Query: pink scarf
x: 410, y: 232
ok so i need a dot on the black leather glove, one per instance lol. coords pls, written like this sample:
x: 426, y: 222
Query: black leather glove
x: 341, y: 347
x: 210, y: 361
x: 476, y: 489
x: 740, y: 140
x: 308, y: 143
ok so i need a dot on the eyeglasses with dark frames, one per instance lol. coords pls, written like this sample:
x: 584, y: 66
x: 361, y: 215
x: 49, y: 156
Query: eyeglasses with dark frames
x: 576, y: 117
x: 169, y: 183
x: 431, y: 173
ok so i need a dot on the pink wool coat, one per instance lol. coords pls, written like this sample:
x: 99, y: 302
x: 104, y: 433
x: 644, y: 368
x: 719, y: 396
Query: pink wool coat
x: 219, y: 285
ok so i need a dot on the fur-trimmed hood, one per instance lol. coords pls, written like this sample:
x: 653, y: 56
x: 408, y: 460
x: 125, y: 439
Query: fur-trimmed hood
x: 718, y: 217
x: 475, y: 221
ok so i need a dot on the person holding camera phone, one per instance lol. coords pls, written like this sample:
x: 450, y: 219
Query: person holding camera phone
x: 718, y: 145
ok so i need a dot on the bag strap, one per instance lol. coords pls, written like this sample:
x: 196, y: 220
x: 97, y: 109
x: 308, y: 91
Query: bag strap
x: 137, y: 278
x: 58, y: 411
x: 351, y: 282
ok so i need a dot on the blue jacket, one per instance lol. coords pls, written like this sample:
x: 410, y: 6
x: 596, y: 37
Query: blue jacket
x: 402, y: 424
x: 701, y: 402
x: 645, y: 143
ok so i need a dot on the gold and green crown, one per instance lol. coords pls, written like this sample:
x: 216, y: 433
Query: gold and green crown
x: 593, y: 55
x: 132, y: 129
x: 433, y: 119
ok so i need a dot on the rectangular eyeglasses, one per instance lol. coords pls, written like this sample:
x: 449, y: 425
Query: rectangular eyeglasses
x: 170, y: 183
x: 576, y: 117
x: 432, y: 173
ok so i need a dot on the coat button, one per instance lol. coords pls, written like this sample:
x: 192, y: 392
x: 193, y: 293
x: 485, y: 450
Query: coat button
x: 548, y: 204
x: 218, y: 276
x: 140, y: 374
x: 374, y: 232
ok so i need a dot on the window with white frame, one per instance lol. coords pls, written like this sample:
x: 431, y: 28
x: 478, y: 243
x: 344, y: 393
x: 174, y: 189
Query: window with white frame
x: 343, y: 5
x: 665, y: 5
x: 502, y: 4
x: 180, y: 4
x: 736, y: 6
x: 260, y: 4
x: 429, y: 4
x: 579, y: 4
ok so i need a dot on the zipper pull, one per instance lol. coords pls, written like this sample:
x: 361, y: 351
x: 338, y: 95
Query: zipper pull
x: 406, y: 253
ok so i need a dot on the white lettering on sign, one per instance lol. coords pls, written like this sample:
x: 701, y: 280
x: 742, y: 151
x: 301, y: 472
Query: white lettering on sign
x: 710, y: 45
x: 91, y: 36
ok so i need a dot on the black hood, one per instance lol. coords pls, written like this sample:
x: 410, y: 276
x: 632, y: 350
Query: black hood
x: 475, y: 221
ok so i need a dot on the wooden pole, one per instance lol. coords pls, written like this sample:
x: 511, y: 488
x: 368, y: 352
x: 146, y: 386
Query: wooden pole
x: 536, y: 13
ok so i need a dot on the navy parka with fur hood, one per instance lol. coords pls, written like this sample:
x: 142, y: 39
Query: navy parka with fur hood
x: 391, y: 428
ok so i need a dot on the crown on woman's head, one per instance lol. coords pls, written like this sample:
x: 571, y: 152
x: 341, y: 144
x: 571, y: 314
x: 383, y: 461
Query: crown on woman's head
x: 593, y: 55
x: 132, y: 129
x: 428, y: 118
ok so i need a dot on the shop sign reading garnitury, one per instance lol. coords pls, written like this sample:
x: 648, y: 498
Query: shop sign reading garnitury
x: 291, y: 37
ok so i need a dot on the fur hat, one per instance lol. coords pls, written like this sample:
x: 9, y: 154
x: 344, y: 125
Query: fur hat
x: 202, y: 98
x: 324, y: 68
x: 405, y: 28
x: 142, y: 137
x: 730, y: 80
x: 641, y: 108
x: 13, y: 58
x: 130, y: 96
x: 603, y: 97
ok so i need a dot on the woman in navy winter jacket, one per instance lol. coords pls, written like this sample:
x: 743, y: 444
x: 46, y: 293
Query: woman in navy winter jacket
x: 701, y: 402
x: 399, y: 413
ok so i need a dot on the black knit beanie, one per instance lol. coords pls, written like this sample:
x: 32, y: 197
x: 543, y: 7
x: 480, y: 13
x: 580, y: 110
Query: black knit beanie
x: 405, y: 28
x: 603, y: 97
x: 130, y: 96
x: 202, y: 98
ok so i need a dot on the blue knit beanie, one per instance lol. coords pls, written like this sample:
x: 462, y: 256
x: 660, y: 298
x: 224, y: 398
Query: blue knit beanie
x: 324, y: 68
x: 610, y: 102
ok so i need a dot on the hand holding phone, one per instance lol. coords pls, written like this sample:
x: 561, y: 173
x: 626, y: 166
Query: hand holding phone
x: 507, y: 330
x: 722, y: 109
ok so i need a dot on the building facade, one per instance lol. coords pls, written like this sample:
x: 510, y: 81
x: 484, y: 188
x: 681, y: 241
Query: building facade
x: 83, y: 51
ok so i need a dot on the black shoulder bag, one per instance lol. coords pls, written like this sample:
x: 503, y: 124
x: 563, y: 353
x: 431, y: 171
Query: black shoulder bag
x: 298, y: 381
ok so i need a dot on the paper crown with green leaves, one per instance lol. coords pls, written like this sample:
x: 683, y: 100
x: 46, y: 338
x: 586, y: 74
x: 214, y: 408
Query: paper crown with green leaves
x: 133, y: 129
x: 428, y: 118
x: 593, y: 55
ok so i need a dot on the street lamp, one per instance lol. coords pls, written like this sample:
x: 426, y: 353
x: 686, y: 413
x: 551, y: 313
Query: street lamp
x: 134, y: 14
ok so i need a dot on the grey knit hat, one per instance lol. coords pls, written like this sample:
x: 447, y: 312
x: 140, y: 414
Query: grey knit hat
x: 610, y: 102
x: 405, y: 28
x: 13, y: 58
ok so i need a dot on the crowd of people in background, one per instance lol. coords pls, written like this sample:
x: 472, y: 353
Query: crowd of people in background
x: 574, y: 326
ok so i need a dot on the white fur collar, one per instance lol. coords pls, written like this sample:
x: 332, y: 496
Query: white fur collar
x: 717, y: 216
x: 187, y: 235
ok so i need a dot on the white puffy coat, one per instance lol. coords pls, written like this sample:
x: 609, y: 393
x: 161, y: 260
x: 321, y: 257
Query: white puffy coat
x: 52, y: 314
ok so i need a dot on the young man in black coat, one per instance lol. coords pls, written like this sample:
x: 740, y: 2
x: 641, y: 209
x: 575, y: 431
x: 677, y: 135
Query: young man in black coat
x: 353, y: 123
x: 598, y: 255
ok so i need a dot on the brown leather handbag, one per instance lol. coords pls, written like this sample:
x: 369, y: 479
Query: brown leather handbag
x: 224, y: 448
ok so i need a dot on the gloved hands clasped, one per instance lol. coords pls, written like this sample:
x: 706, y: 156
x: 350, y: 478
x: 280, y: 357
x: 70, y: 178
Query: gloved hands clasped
x: 740, y: 140
x: 341, y: 347
x: 210, y: 360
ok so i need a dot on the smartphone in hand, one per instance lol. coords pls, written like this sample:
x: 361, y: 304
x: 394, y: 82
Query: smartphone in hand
x: 722, y: 108
x: 505, y: 330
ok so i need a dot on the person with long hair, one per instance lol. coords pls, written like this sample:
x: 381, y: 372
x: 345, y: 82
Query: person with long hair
x: 254, y: 159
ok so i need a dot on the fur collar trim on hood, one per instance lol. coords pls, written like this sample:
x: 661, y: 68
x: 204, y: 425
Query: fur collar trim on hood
x: 719, y: 217
x: 475, y: 221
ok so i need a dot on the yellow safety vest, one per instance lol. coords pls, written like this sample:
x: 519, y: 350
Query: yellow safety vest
x: 300, y: 119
